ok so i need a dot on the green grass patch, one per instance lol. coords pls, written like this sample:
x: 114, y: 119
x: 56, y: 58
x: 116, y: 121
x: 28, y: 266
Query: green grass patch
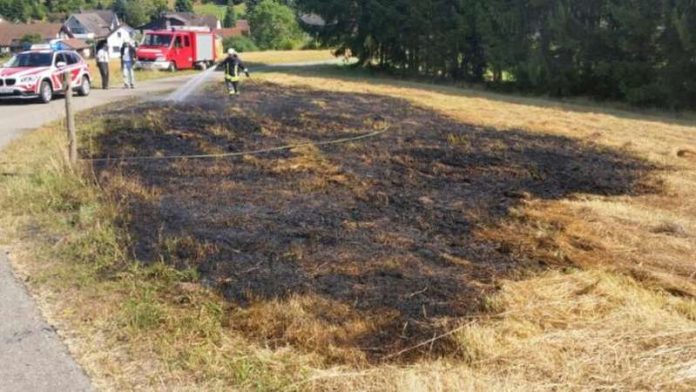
x: 217, y: 10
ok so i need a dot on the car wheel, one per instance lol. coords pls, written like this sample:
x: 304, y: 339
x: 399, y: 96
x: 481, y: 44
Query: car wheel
x: 85, y: 88
x: 45, y: 92
x: 172, y: 67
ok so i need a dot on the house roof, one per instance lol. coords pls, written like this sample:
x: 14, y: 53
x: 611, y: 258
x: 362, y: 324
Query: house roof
x: 107, y: 16
x: 76, y: 44
x: 12, y: 31
x: 192, y: 19
x: 241, y: 28
x: 97, y: 22
x: 182, y: 16
x: 123, y: 26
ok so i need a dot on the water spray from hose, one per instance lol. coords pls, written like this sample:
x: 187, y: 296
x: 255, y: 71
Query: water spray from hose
x: 192, y: 85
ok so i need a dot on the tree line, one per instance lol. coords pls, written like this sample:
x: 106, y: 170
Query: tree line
x: 26, y: 10
x: 275, y: 22
x: 639, y: 51
x: 52, y: 10
x: 136, y: 12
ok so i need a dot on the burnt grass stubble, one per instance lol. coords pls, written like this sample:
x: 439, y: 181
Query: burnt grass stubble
x: 385, y: 225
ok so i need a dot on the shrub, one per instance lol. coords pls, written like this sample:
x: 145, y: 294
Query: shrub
x: 240, y: 44
x: 33, y: 38
x: 275, y: 26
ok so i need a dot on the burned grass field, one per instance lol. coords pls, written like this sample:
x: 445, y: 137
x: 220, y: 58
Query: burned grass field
x: 358, y: 251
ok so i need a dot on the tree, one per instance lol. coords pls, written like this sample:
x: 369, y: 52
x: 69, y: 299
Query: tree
x: 38, y: 11
x: 240, y: 44
x: 678, y: 48
x: 120, y: 7
x: 137, y: 13
x: 159, y: 7
x: 15, y: 10
x: 30, y: 39
x: 274, y: 26
x: 22, y: 10
x: 639, y: 51
x: 5, y: 8
x: 183, y: 6
x: 230, y: 15
x: 67, y: 6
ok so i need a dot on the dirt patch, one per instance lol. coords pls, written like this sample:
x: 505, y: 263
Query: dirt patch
x: 686, y: 153
x: 354, y: 251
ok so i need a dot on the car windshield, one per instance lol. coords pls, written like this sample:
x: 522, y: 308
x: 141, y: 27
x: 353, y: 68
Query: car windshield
x: 163, y: 40
x: 31, y: 59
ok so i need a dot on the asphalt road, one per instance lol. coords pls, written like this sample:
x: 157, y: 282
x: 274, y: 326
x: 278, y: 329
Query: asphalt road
x: 19, y: 116
x: 32, y: 356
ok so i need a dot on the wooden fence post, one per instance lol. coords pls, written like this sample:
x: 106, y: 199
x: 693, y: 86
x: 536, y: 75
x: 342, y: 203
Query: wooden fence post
x: 70, y: 118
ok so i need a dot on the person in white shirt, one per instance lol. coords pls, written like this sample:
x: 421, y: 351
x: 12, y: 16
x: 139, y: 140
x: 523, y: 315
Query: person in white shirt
x: 103, y: 64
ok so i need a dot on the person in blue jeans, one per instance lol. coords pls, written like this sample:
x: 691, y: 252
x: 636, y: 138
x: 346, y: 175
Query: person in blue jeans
x: 127, y: 63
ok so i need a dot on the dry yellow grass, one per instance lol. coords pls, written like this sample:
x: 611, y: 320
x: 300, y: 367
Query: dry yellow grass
x: 577, y: 331
x: 621, y: 317
x: 286, y: 56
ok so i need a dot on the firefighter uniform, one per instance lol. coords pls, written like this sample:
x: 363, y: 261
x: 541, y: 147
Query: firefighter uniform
x: 233, y: 69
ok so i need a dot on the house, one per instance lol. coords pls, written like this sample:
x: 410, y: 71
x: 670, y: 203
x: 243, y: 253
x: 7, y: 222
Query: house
x: 241, y: 28
x: 78, y: 45
x: 115, y: 40
x: 179, y: 19
x: 100, y: 26
x: 11, y: 34
x: 94, y: 25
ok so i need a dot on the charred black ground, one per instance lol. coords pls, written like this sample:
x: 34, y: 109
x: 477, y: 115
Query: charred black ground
x: 387, y: 226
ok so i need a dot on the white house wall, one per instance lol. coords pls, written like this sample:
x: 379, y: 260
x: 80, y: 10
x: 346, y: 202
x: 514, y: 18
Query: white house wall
x: 115, y: 41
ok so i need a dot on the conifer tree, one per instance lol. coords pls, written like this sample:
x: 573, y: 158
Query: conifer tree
x: 230, y: 15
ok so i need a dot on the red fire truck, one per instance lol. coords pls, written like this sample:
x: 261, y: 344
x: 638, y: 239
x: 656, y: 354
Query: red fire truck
x: 178, y: 48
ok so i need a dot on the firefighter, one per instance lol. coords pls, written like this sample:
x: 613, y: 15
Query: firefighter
x: 233, y: 66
